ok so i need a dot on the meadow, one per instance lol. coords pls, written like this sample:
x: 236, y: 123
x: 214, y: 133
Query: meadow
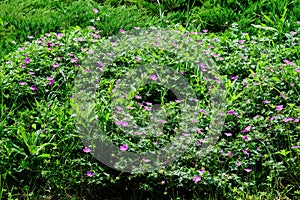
x: 248, y: 59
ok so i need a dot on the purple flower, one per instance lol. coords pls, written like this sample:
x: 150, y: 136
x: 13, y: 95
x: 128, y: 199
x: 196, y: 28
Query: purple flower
x: 74, y: 60
x: 229, y: 153
x: 295, y: 147
x: 288, y: 119
x: 146, y: 160
x: 137, y: 97
x: 279, y: 107
x: 282, y: 95
x: 95, y: 10
x: 90, y: 174
x: 51, y: 80
x: 122, y: 31
x: 124, y: 147
x: 138, y: 60
x: 238, y: 164
x: 22, y: 83
x: 248, y: 128
x: 297, y: 120
x: 234, y: 78
x: 86, y: 150
x: 247, y: 152
x: 231, y: 112
x: 267, y: 101
x: 245, y: 137
x: 27, y: 60
x: 30, y: 37
x: 228, y: 134
x: 196, y: 179
x: 178, y: 101
x: 293, y: 33
x: 153, y: 77
x: 202, y: 65
x: 147, y: 108
x: 205, y: 31
x: 248, y: 170
x: 34, y: 88
x: 55, y: 65
x: 292, y: 84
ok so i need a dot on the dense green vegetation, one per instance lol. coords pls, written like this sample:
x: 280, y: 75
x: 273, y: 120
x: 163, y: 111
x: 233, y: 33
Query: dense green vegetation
x: 254, y: 45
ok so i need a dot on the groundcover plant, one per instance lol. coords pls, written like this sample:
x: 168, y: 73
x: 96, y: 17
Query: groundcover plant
x: 256, y: 155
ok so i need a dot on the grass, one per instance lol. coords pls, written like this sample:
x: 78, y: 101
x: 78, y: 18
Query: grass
x: 46, y: 152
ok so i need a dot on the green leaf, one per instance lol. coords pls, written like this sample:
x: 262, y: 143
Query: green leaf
x: 33, y: 126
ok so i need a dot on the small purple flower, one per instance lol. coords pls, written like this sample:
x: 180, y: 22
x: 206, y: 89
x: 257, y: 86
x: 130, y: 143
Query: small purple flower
x: 137, y: 97
x: 248, y: 170
x: 266, y: 101
x: 124, y: 147
x: 292, y: 84
x: 297, y: 70
x: 30, y: 37
x: 138, y: 60
x: 295, y: 147
x: 229, y: 153
x: 238, y: 164
x: 245, y: 137
x: 248, y: 128
x: 74, y: 60
x: 288, y: 119
x: 86, y: 150
x: 122, y: 31
x: 51, y: 80
x: 196, y: 179
x: 205, y: 31
x: 228, y: 134
x: 279, y: 107
x: 297, y: 120
x: 147, y: 108
x: 202, y: 65
x: 90, y: 174
x: 146, y: 160
x: 231, y: 112
x: 247, y: 152
x: 34, y: 88
x: 282, y: 95
x: 234, y: 78
x: 27, y: 60
x: 153, y: 77
x: 22, y: 83
x: 293, y: 33
x: 178, y: 101
x: 95, y: 10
